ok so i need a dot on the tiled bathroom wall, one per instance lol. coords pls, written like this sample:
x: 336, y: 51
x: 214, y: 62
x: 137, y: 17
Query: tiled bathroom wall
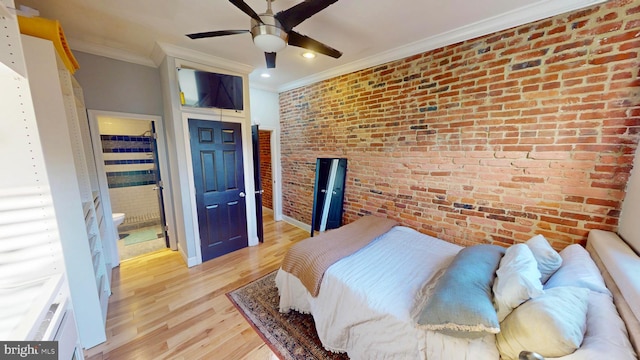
x: 138, y: 203
x: 132, y: 164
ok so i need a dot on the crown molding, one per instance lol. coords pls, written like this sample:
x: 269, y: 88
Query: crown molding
x: 262, y: 87
x: 517, y: 17
x: 109, y: 52
x: 160, y: 50
x: 157, y: 54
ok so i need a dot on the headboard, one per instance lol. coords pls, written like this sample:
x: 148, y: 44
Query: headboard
x: 629, y: 228
x: 620, y: 267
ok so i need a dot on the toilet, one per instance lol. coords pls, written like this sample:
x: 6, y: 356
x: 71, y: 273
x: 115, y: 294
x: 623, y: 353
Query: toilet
x: 118, y: 218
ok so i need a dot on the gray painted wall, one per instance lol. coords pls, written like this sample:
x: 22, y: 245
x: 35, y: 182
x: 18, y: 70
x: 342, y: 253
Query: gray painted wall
x: 114, y: 85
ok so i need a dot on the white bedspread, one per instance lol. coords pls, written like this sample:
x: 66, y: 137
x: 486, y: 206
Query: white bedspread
x: 364, y: 308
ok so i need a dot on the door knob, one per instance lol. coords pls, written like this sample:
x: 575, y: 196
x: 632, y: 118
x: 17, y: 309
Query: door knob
x: 242, y: 194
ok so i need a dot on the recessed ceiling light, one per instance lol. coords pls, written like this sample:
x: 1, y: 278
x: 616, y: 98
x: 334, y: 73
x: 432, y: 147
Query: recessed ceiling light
x: 265, y: 75
x: 308, y: 54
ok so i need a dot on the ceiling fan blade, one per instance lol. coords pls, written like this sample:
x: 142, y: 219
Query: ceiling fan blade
x: 298, y: 13
x: 246, y: 9
x: 209, y: 34
x: 303, y: 41
x: 271, y: 60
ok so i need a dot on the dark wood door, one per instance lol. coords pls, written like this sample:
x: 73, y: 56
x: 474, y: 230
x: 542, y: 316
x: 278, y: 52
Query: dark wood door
x: 216, y: 152
x: 257, y: 179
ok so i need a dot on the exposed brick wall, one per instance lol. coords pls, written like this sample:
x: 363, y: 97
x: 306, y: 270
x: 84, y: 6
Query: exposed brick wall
x: 525, y: 131
x: 265, y: 168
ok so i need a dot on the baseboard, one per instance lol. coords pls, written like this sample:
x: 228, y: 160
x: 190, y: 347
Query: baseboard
x: 296, y: 223
x: 190, y: 261
x: 193, y: 261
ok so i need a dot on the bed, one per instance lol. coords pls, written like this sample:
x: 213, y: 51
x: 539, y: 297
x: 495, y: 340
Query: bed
x: 378, y: 301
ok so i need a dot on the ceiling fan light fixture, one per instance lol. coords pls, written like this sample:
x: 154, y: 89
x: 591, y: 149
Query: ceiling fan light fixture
x: 269, y: 43
x: 268, y: 35
x: 308, y: 55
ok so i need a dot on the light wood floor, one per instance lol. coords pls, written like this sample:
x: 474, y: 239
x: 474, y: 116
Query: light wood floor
x: 160, y: 309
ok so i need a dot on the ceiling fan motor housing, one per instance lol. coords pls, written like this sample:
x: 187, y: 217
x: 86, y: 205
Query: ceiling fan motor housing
x: 269, y: 36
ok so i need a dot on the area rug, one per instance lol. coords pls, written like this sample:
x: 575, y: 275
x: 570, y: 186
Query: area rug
x: 142, y: 235
x: 290, y: 336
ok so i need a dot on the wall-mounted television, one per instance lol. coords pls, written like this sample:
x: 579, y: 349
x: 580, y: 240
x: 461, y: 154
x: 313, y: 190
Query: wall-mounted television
x: 210, y: 90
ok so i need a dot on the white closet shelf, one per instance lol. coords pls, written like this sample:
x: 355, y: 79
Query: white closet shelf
x: 40, y: 295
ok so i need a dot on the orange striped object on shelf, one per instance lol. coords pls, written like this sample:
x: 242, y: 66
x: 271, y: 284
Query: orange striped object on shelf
x: 50, y: 30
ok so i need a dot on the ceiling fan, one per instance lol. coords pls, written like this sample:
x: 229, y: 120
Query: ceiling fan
x: 272, y: 33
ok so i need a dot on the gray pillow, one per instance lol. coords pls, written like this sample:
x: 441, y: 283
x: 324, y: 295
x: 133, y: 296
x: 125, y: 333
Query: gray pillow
x: 461, y: 304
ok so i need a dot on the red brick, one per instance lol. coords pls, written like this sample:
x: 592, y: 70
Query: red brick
x: 546, y: 148
x: 603, y: 29
x: 612, y: 58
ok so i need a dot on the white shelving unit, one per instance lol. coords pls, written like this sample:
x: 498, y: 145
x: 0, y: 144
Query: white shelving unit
x: 57, y: 107
x: 87, y: 182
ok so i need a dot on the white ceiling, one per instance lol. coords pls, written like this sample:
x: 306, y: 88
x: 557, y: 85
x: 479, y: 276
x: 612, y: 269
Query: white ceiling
x: 367, y: 32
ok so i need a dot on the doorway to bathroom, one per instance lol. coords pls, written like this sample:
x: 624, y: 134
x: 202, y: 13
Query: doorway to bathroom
x: 131, y: 165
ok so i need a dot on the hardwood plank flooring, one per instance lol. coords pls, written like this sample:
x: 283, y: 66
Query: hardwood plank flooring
x: 160, y: 309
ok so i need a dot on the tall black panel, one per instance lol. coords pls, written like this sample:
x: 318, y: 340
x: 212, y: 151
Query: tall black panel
x: 328, y: 194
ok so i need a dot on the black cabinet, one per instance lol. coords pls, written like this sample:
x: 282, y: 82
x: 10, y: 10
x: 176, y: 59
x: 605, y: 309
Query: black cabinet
x: 328, y: 194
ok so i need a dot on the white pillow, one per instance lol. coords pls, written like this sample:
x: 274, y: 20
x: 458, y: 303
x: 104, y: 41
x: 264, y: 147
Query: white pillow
x: 517, y: 280
x: 606, y: 336
x: 578, y: 269
x: 552, y: 325
x: 548, y: 259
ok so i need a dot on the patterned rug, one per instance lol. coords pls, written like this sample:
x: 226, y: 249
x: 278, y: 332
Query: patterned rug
x: 290, y: 336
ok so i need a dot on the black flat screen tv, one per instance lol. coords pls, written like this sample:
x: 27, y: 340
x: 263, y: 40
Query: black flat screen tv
x: 210, y: 90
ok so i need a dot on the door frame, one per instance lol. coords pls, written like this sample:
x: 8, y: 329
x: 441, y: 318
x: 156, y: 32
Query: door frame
x: 247, y: 154
x: 93, y: 116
